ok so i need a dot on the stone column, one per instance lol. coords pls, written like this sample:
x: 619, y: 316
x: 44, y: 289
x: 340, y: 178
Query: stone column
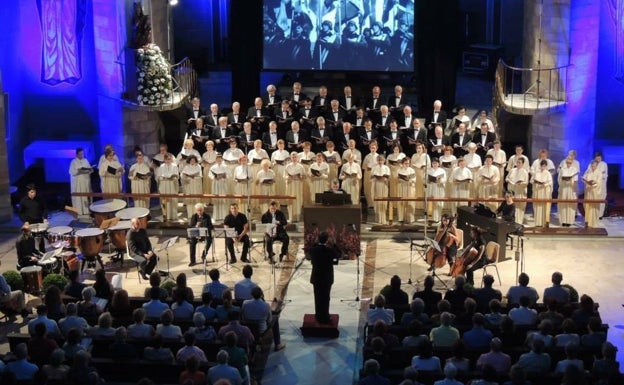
x: 6, y: 211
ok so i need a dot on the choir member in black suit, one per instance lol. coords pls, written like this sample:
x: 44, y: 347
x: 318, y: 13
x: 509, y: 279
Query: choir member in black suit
x: 484, y: 140
x: 348, y: 101
x: 397, y: 102
x: 459, y: 140
x: 284, y: 116
x: 335, y: 115
x: 193, y: 113
x: 247, y: 137
x: 306, y: 115
x: 416, y: 133
x: 295, y: 137
x: 200, y: 219
x: 236, y: 118
x: 382, y: 121
x: 296, y: 97
x: 270, y: 138
x: 321, y: 101
x: 366, y: 135
x: 358, y: 119
x: 212, y: 120
x: 374, y: 102
x: 258, y: 115
x: 438, y: 115
x: 342, y: 137
x: 391, y: 138
x: 199, y: 134
x: 437, y: 142
x: 405, y: 119
x: 221, y: 135
x: 271, y: 98
x: 320, y: 135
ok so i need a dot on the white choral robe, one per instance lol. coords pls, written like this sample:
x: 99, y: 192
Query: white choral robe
x: 80, y: 181
x: 111, y: 183
x: 420, y: 163
x: 334, y: 162
x: 140, y: 186
x: 294, y: 175
x: 370, y: 161
x: 543, y: 190
x: 318, y: 183
x: 243, y: 179
x: 488, y: 177
x: 266, y: 186
x: 500, y: 161
x: 406, y: 180
x: 191, y: 178
x: 168, y: 183
x: 461, y: 178
x: 219, y: 174
x: 306, y: 159
x: 517, y: 181
x: 448, y: 164
x: 351, y: 183
x: 183, y: 155
x: 209, y: 158
x: 279, y: 160
x: 568, y: 187
x: 593, y: 191
x: 379, y: 180
x: 436, y: 190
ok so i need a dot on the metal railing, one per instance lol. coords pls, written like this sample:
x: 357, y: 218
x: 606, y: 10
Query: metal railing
x: 525, y: 90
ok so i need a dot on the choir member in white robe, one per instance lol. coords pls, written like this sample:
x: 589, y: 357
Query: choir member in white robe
x: 604, y: 172
x: 332, y: 158
x: 265, y: 180
x: 209, y: 158
x: 185, y: 153
x: 255, y: 158
x: 448, y: 162
x: 279, y: 160
x: 593, y: 190
x: 499, y: 159
x: 542, y: 189
x: 370, y: 161
x: 80, y: 179
x: 575, y: 163
x: 243, y: 181
x: 294, y: 175
x: 318, y: 174
x: 231, y: 158
x: 168, y: 183
x: 436, y: 179
x: 483, y: 118
x: 536, y: 165
x: 568, y: 185
x: 461, y: 178
x: 191, y: 178
x: 351, y: 177
x: 420, y: 163
x: 379, y: 180
x: 159, y: 158
x: 519, y: 153
x: 357, y: 155
x: 393, y: 161
x: 110, y: 173
x: 474, y: 164
x: 517, y: 182
x: 488, y: 177
x: 107, y: 148
x: 406, y: 180
x: 219, y: 174
x: 306, y: 158
x: 140, y: 181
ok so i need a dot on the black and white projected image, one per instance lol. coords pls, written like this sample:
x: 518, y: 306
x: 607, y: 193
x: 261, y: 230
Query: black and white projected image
x: 356, y: 35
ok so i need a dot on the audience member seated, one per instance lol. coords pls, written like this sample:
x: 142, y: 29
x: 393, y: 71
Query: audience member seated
x: 585, y: 311
x: 410, y: 376
x: 450, y: 372
x: 487, y: 293
x: 556, y: 291
x: 489, y: 377
x: 190, y: 350
x: 40, y: 347
x: 463, y: 319
x: 536, y: 363
x: 415, y: 336
x: 543, y: 333
x: 104, y: 328
x: 182, y: 287
x: 551, y: 314
x: 56, y: 370
x: 139, y: 329
x: 393, y: 293
x: 244, y: 334
x: 154, y: 281
x: 202, y: 331
x: 120, y: 305
x: 596, y: 336
x: 509, y: 336
x: 87, y: 308
x: 377, y: 352
x: 72, y: 321
x: 74, y: 287
x: 42, y: 317
x: 223, y: 371
x: 380, y: 329
x: 166, y: 330
x: 444, y: 335
x: 214, y: 287
x: 380, y: 313
x: 181, y: 308
x: 457, y: 295
x: 517, y: 376
x: 372, y: 376
x: 103, y: 288
x: 257, y: 311
x: 154, y: 307
x: 495, y: 358
x: 81, y: 372
x: 226, y: 306
x: 429, y: 296
x: 607, y: 368
x: 120, y: 349
x: 242, y: 288
x: 425, y: 361
x: 191, y: 374
x: 237, y: 355
x: 73, y: 344
x: 461, y: 363
x: 478, y: 338
x: 417, y: 308
x: 205, y: 308
x: 515, y: 292
x: 573, y: 376
x: 12, y: 299
x: 494, y: 318
x: 21, y: 368
x: 52, y: 300
x: 568, y: 334
x: 523, y: 315
x: 571, y: 352
x: 443, y: 306
x: 157, y: 352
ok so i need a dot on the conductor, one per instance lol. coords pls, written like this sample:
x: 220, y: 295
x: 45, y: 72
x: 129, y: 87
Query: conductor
x: 277, y: 232
x: 200, y: 219
x: 140, y: 249
x: 322, y: 277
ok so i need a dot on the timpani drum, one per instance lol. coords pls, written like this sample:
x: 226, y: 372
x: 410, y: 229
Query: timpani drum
x: 33, y: 279
x: 117, y: 234
x: 38, y: 229
x: 70, y: 261
x: 49, y: 267
x: 106, y: 209
x: 141, y: 213
x: 90, y: 241
x: 61, y: 236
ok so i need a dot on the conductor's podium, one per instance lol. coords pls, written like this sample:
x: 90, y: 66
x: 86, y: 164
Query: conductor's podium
x: 342, y: 223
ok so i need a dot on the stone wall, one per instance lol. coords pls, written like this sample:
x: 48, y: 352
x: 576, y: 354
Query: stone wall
x: 6, y: 211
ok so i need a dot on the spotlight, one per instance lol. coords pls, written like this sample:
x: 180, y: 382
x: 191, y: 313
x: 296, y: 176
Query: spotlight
x: 173, y: 2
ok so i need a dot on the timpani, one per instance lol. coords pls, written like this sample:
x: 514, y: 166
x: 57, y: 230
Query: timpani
x: 140, y: 213
x: 106, y: 209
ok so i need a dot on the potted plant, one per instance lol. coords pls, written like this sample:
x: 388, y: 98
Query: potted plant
x: 168, y: 285
x: 14, y: 279
x: 54, y: 279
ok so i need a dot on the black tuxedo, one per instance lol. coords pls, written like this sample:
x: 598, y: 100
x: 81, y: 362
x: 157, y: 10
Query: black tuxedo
x: 455, y: 140
x: 341, y: 142
x: 397, y: 112
x: 410, y: 135
x: 322, y: 278
x: 331, y: 117
x: 245, y: 144
x: 279, y: 234
x: 203, y: 221
x: 212, y: 120
x: 363, y: 141
x: 291, y: 143
x: 404, y: 122
x: 266, y: 141
x: 328, y: 134
x: 431, y: 142
x: 251, y: 113
x: 342, y: 100
x: 381, y: 124
x: 353, y: 119
x: 477, y: 138
x: 295, y: 105
x: 139, y: 245
x: 316, y: 103
x: 199, y: 137
x: 236, y: 126
x: 216, y: 135
x: 389, y: 141
x: 284, y: 123
x: 190, y: 114
x: 266, y: 101
x: 259, y: 123
x: 431, y: 119
x: 371, y: 105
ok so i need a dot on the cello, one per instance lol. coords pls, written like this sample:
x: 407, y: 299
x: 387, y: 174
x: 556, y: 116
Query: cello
x: 469, y: 256
x: 445, y: 239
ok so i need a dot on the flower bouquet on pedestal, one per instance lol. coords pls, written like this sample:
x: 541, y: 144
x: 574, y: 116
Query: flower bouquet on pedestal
x: 154, y: 83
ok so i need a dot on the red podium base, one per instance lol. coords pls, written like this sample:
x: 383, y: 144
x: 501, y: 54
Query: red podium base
x: 311, y: 328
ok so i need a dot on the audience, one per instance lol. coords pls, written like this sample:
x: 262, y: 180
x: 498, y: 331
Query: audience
x: 536, y: 363
x: 425, y: 360
x: 484, y: 295
x: 457, y: 295
x: 72, y: 321
x: 154, y: 281
x: 214, y: 287
x: 430, y: 297
x: 120, y: 349
x: 242, y: 288
x: 607, y: 368
x: 571, y: 352
x: 226, y: 306
x: 74, y: 287
x: 103, y: 288
x: 380, y: 329
x: 191, y: 374
x: 444, y: 335
x: 551, y: 314
x: 393, y: 293
x: 478, y: 338
x: 206, y: 307
x: 417, y: 308
x: 73, y: 344
x: 494, y: 318
x: 450, y: 372
x: 182, y: 288
x: 372, y: 376
x: 120, y: 305
x: 202, y: 331
x: 139, y: 329
x: 243, y: 333
x: 157, y: 352
x: 596, y: 336
x: 379, y: 312
x: 190, y: 350
x: 166, y: 329
x: 40, y: 346
x: 237, y: 355
x: 81, y: 372
x: 56, y: 370
x: 52, y: 300
x: 154, y: 307
x: 87, y: 308
x: 543, y: 333
x: 104, y: 328
x: 42, y: 317
x: 515, y: 292
x: 415, y: 336
x: 223, y: 371
x: 523, y: 315
x: 458, y: 359
x: 587, y: 309
x: 21, y: 368
x: 556, y: 291
x: 181, y: 308
x: 498, y: 360
x: 568, y: 334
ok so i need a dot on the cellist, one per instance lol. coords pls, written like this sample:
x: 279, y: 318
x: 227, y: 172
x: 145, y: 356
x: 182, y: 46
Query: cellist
x: 446, y: 236
x: 480, y: 260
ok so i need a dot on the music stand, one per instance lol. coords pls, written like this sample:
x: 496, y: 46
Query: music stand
x: 432, y: 243
x: 165, y: 246
x: 224, y: 233
x: 202, y: 232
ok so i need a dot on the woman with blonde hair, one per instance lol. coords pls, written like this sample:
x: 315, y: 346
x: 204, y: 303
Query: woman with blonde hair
x: 209, y: 158
x: 294, y: 174
x: 265, y: 180
x: 191, y: 177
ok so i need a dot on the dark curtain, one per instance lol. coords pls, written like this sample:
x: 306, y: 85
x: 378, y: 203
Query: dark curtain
x: 246, y: 49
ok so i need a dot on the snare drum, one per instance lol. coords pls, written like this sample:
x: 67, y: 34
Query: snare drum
x: 141, y: 213
x: 90, y: 241
x: 106, y: 209
x: 49, y: 267
x: 33, y: 279
x: 117, y: 234
x: 70, y: 261
x: 58, y: 234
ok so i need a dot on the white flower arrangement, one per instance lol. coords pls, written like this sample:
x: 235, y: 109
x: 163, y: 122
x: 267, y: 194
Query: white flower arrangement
x: 153, y: 75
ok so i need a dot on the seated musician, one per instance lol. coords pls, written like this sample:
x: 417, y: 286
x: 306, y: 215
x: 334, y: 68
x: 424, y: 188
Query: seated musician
x: 32, y: 210
x: 446, y: 236
x: 200, y: 219
x: 335, y: 187
x: 477, y: 242
x: 140, y: 249
x: 278, y: 233
x: 507, y: 209
x: 27, y: 253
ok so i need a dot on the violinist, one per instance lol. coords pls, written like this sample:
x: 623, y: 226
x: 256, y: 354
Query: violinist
x: 446, y: 236
x: 475, y: 263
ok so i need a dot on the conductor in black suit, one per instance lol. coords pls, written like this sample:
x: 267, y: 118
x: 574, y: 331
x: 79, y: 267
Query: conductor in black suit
x: 200, y: 219
x: 322, y: 257
x: 276, y: 217
x: 140, y: 249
